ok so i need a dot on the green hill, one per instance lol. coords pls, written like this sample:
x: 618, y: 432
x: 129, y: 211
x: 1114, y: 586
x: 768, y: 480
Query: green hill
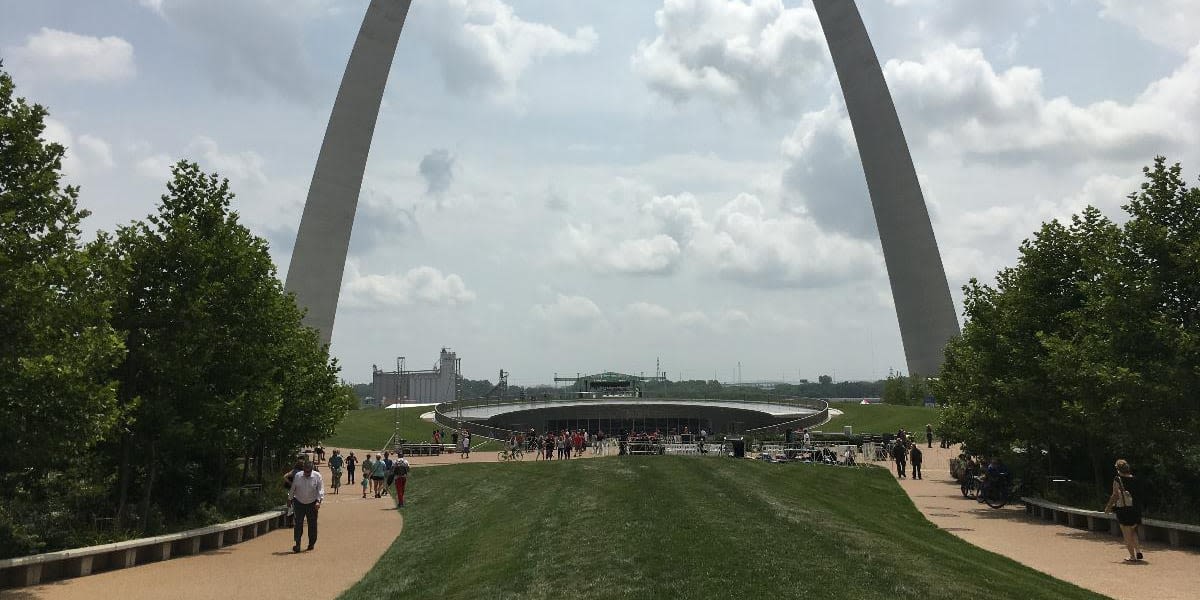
x: 371, y: 428
x: 681, y: 527
x: 881, y: 418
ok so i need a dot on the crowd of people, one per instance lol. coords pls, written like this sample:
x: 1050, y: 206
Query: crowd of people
x: 563, y: 444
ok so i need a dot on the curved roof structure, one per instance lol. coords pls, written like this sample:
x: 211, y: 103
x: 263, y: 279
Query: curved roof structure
x: 777, y: 410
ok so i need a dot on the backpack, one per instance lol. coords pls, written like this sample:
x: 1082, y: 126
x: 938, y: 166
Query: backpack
x: 400, y: 468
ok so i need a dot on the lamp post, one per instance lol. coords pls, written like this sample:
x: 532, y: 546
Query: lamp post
x: 399, y: 402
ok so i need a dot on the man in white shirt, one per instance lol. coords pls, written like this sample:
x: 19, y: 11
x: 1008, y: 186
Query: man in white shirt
x: 305, y: 498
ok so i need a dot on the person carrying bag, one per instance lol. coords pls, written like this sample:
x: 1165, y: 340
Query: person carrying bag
x: 1126, y: 501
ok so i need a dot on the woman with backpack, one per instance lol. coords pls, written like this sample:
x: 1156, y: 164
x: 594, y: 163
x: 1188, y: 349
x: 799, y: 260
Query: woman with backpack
x: 1126, y: 500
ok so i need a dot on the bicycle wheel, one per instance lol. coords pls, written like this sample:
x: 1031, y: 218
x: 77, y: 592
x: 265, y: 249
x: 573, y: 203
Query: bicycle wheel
x: 502, y: 456
x: 996, y: 498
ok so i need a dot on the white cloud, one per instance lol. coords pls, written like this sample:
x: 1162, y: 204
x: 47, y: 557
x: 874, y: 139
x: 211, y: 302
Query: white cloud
x: 98, y: 149
x: 154, y: 5
x: 740, y: 242
x: 62, y: 56
x: 242, y: 167
x: 824, y: 177
x: 1170, y: 23
x: 85, y: 153
x: 954, y: 100
x: 754, y: 51
x: 483, y: 47
x: 156, y: 166
x: 637, y: 317
x: 655, y: 255
x: 570, y: 313
x: 248, y: 46
x: 422, y: 285
x: 972, y: 22
x: 648, y: 312
x: 743, y: 244
x: 680, y: 216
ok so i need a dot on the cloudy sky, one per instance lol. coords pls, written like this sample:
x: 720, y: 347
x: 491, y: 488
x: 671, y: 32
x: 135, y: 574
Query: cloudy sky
x: 591, y: 185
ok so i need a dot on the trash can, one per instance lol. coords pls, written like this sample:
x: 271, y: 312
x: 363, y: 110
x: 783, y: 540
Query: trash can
x: 848, y: 430
x: 739, y: 447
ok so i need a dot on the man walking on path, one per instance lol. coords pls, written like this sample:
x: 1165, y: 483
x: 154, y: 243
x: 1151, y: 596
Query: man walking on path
x: 915, y: 455
x: 351, y: 462
x: 900, y: 454
x: 929, y: 434
x: 305, y: 498
x: 400, y: 470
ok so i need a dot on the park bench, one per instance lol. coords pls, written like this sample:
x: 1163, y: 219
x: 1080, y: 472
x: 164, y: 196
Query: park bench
x: 78, y: 562
x: 1175, y: 534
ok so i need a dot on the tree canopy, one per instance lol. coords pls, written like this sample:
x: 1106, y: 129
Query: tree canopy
x: 1089, y: 348
x: 166, y: 351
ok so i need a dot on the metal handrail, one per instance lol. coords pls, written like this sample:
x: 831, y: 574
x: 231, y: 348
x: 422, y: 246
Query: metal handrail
x: 812, y: 420
x: 487, y: 431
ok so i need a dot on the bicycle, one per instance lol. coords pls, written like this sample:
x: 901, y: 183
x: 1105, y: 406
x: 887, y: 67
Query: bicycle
x: 970, y: 486
x: 511, y: 454
x: 1001, y: 493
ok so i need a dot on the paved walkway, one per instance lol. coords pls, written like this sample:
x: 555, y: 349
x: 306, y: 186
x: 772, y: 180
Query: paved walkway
x: 354, y: 533
x: 1091, y: 560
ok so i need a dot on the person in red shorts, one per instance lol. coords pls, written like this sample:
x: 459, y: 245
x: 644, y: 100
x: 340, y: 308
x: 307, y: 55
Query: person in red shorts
x: 400, y: 468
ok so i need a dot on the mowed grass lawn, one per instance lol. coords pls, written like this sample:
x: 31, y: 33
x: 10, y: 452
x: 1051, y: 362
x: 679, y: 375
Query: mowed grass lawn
x: 370, y: 428
x: 881, y: 418
x: 680, y: 527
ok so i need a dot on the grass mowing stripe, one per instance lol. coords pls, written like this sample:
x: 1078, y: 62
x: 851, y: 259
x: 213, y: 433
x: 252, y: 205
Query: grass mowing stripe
x: 681, y: 527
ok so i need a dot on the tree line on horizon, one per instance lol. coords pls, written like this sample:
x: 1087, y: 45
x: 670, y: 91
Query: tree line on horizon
x: 824, y: 387
x: 146, y: 374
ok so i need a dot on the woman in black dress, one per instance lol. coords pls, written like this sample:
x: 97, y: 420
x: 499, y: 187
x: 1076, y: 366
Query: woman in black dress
x: 1127, y: 499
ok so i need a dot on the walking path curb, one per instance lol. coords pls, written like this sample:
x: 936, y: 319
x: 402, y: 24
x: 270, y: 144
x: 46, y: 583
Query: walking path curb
x: 1091, y: 560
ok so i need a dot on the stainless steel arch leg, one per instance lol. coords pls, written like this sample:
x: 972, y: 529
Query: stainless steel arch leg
x: 918, y: 279
x: 319, y: 258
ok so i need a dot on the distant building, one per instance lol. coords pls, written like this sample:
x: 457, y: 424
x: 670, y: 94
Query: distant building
x: 438, y: 384
x: 608, y: 384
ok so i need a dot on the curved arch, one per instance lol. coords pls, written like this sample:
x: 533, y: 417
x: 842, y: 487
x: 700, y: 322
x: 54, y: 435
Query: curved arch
x: 924, y: 308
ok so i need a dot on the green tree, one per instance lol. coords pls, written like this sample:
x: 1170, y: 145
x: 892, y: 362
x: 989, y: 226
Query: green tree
x: 1088, y: 348
x: 57, y: 398
x: 56, y: 346
x: 196, y: 297
x: 313, y: 401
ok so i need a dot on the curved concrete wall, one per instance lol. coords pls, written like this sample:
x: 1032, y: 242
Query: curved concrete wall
x: 918, y: 280
x: 719, y: 419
